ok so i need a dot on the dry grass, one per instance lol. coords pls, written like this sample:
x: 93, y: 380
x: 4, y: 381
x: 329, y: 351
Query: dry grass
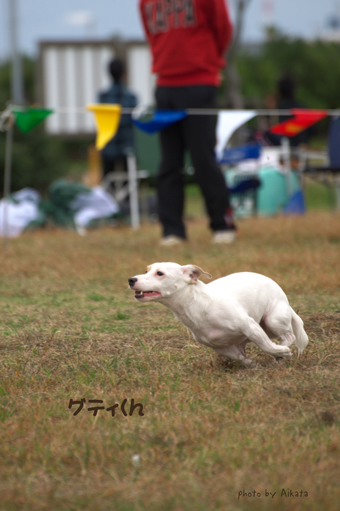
x: 70, y: 329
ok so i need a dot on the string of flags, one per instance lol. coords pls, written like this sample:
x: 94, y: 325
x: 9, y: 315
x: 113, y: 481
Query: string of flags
x: 228, y: 121
x: 107, y: 119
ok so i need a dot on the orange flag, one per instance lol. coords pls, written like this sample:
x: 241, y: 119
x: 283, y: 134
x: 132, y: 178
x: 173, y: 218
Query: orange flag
x: 302, y: 120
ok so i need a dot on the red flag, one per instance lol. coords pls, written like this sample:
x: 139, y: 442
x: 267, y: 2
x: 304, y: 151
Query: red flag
x: 302, y: 120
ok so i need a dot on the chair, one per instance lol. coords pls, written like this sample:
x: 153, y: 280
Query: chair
x: 126, y: 188
x: 243, y: 185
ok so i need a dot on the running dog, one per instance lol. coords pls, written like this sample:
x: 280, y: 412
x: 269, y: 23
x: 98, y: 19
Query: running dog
x: 227, y: 313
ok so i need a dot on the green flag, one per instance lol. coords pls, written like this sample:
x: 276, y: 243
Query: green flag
x: 27, y: 119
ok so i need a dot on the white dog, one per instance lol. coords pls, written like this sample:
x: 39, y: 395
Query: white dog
x: 228, y: 313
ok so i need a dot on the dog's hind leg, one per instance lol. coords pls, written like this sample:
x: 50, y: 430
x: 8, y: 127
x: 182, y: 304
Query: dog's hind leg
x: 284, y: 324
x: 287, y: 339
x: 258, y: 336
x: 278, y: 324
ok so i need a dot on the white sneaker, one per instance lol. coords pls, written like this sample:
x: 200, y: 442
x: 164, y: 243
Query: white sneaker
x: 170, y: 240
x: 224, y: 237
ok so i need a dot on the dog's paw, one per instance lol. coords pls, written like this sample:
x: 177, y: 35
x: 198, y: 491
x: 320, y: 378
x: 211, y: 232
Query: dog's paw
x: 284, y: 352
x: 279, y: 360
x: 247, y: 362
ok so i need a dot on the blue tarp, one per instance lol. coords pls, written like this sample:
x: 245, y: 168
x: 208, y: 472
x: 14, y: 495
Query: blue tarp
x: 235, y: 155
x: 161, y: 119
x: 334, y: 142
x: 296, y: 204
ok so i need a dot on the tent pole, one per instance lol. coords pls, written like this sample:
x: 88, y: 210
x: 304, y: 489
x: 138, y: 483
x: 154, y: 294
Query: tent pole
x: 7, y: 178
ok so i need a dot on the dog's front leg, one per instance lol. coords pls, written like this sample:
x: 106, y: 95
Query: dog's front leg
x: 257, y: 335
x: 237, y: 353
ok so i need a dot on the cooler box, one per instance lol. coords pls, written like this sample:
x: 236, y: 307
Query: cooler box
x: 271, y: 197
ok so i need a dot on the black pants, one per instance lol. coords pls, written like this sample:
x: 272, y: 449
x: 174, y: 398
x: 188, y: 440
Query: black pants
x: 197, y: 133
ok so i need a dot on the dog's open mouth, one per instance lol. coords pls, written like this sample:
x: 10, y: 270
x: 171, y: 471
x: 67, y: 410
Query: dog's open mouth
x: 146, y: 294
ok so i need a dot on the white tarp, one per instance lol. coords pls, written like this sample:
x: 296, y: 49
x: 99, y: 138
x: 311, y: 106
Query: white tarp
x: 23, y: 207
x: 90, y: 206
x: 16, y: 214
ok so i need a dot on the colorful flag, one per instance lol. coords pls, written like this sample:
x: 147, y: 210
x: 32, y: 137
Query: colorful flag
x: 228, y: 121
x: 107, y: 118
x: 26, y: 119
x: 302, y: 120
x: 161, y: 119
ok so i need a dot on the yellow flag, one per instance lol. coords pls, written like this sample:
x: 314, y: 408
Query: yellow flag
x: 107, y: 118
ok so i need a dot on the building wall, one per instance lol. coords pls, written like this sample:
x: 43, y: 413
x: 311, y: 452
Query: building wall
x: 72, y: 73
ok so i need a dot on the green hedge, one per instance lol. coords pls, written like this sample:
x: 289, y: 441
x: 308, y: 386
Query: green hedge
x: 37, y: 160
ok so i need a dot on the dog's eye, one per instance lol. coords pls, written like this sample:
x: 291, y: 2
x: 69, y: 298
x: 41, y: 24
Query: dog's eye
x: 160, y: 274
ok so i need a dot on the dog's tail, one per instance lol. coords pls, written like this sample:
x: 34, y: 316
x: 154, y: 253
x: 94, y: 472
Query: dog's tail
x: 301, y: 338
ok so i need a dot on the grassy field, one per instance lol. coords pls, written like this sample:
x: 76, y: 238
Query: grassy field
x: 70, y: 329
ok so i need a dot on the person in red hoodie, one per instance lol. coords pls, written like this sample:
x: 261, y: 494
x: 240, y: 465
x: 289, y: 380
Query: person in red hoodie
x: 188, y: 40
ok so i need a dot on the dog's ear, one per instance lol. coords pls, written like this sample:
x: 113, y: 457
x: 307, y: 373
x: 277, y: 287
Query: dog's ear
x: 193, y: 273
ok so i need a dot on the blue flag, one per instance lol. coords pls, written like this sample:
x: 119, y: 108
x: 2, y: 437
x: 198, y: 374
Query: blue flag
x: 161, y: 119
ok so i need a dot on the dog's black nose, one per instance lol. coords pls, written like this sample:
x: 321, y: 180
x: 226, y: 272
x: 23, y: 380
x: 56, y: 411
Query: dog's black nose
x: 132, y: 281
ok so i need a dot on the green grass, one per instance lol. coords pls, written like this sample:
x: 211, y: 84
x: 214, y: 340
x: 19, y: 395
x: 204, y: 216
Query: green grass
x: 70, y: 329
x: 320, y: 196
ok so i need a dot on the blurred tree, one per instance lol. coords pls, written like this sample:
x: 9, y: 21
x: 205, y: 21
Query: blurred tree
x: 314, y: 65
x: 29, y: 81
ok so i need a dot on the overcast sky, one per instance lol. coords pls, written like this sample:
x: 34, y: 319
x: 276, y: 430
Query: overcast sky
x: 68, y: 19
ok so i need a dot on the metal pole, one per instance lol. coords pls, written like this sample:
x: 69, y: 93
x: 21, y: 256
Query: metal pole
x: 7, y: 178
x: 191, y: 111
x: 133, y: 190
x: 16, y: 83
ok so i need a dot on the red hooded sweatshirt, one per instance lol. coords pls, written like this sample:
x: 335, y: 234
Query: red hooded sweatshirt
x: 188, y: 39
